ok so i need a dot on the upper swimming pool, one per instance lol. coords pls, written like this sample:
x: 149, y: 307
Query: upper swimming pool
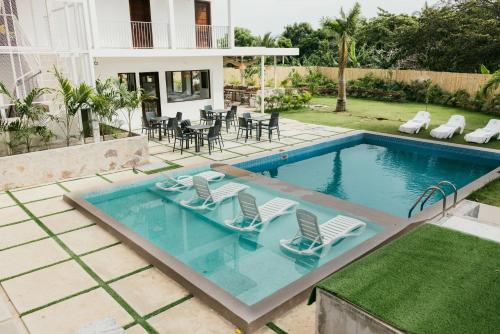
x: 381, y: 172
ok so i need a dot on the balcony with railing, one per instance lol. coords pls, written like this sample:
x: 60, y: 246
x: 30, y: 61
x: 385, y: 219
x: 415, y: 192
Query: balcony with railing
x: 161, y: 35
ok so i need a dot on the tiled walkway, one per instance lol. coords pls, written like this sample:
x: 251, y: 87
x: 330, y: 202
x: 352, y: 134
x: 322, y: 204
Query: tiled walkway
x: 59, y: 271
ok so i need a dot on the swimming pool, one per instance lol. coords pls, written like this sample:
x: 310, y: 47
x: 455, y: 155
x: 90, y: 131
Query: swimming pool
x: 381, y: 172
x: 249, y: 266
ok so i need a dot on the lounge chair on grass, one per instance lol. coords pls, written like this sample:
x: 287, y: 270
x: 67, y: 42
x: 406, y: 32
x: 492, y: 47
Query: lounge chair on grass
x: 185, y: 182
x: 313, y: 237
x: 207, y: 199
x: 422, y: 118
x: 455, y: 124
x: 483, y: 135
x: 253, y: 217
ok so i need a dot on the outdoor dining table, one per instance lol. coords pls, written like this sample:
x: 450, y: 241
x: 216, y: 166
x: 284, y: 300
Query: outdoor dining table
x: 218, y: 112
x: 259, y: 120
x: 198, y: 130
x: 162, y: 120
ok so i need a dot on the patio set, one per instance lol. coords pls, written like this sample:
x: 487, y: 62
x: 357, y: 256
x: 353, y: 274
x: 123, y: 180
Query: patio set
x: 209, y: 127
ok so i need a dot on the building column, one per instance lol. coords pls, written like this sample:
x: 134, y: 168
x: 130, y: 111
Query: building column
x: 230, y: 24
x: 93, y: 24
x: 262, y: 83
x: 275, y: 73
x: 171, y: 24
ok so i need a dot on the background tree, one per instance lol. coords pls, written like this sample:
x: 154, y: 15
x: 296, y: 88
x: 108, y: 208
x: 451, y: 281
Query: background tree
x: 243, y: 37
x: 344, y: 28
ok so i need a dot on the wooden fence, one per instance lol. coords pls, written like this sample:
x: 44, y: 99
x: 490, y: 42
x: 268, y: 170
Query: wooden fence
x: 449, y: 81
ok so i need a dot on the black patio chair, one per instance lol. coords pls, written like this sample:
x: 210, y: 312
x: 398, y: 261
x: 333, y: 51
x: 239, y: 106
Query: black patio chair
x: 244, y: 125
x: 178, y: 116
x: 212, y: 137
x: 182, y: 137
x: 273, y: 125
x: 149, y: 124
x: 206, y: 118
x: 218, y: 122
x: 231, y: 118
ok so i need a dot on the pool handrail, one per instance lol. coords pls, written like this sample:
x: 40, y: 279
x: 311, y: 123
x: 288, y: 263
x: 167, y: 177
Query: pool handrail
x: 433, y: 189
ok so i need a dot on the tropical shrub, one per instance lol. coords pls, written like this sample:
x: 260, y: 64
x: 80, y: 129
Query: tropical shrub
x: 290, y: 99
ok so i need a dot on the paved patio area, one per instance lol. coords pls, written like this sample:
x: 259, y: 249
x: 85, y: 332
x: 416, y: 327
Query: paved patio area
x: 59, y: 271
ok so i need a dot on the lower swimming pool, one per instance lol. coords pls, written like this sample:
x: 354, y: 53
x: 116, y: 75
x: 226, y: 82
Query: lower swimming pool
x: 249, y: 266
x: 381, y: 172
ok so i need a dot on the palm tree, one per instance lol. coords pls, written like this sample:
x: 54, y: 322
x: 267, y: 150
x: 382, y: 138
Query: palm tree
x: 103, y: 102
x: 32, y: 117
x: 344, y: 28
x: 267, y: 41
x: 130, y: 101
x: 74, y: 99
x: 491, y: 85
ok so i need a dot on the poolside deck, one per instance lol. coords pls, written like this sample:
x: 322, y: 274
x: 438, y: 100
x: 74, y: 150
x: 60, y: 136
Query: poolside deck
x: 60, y: 271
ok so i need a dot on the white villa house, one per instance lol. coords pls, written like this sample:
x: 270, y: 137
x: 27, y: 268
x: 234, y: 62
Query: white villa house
x: 173, y: 49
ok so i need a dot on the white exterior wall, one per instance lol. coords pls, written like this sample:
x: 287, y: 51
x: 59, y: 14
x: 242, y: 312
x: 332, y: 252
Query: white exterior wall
x: 110, y: 67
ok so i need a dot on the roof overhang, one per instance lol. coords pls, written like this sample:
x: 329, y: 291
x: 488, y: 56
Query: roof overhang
x: 249, y: 51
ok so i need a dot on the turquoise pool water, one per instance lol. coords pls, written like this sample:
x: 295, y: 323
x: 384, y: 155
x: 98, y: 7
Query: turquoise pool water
x: 375, y: 171
x: 248, y: 266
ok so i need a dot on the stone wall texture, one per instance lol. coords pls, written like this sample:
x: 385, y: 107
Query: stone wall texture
x: 51, y: 165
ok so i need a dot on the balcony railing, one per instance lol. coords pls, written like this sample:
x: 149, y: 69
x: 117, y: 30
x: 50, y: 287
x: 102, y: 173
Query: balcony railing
x: 161, y: 35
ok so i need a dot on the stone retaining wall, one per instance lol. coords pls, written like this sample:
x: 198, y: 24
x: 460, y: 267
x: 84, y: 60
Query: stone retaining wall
x: 334, y: 315
x: 61, y: 163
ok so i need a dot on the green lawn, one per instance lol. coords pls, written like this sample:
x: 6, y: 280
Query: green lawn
x: 386, y: 117
x: 490, y: 194
x: 432, y: 280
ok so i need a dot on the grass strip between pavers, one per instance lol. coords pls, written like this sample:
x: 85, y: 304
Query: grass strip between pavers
x: 101, y: 283
x: 431, y: 280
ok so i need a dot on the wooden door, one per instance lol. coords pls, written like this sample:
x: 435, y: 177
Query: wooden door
x: 140, y: 17
x: 203, y: 20
x: 151, y: 85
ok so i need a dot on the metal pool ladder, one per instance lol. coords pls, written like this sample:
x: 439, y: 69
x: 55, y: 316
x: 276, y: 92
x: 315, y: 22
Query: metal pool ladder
x: 430, y: 191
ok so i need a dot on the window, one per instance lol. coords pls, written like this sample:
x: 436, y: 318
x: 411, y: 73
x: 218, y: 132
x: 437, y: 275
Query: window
x: 188, y: 85
x: 128, y: 79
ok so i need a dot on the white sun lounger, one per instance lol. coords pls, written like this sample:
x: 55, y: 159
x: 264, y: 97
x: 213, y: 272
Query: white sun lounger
x: 321, y: 237
x: 422, y: 118
x: 456, y: 123
x: 258, y: 215
x: 185, y: 182
x: 483, y: 135
x: 211, y: 198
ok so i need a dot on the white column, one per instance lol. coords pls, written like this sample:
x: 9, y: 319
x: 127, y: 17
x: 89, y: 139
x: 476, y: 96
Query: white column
x: 93, y: 24
x: 262, y: 83
x: 275, y: 74
x: 92, y: 43
x: 171, y: 24
x: 230, y: 24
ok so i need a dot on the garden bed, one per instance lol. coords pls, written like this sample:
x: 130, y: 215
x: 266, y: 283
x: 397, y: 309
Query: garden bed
x: 27, y: 169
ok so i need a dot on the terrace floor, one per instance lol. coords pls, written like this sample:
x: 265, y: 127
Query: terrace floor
x: 60, y: 271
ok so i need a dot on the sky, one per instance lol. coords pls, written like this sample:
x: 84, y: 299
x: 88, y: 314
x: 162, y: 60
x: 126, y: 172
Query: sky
x: 261, y: 16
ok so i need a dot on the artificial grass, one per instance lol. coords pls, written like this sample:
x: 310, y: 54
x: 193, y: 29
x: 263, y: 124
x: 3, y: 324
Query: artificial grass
x: 489, y: 194
x: 386, y: 117
x: 431, y: 280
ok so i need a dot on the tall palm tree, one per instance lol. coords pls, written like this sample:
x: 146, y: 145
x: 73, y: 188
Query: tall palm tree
x: 267, y: 40
x: 344, y: 28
